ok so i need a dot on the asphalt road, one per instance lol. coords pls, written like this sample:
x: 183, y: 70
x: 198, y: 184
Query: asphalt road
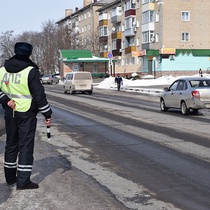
x: 125, y: 150
x: 164, y: 153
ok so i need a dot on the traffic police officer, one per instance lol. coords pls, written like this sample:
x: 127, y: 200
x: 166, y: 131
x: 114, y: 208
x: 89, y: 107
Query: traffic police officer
x: 22, y: 96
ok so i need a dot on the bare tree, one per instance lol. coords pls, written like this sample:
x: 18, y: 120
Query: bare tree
x: 7, y: 41
x: 89, y: 42
x: 46, y: 45
x: 92, y: 43
x: 34, y: 39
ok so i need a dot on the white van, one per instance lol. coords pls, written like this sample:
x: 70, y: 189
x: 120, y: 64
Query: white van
x: 78, y: 82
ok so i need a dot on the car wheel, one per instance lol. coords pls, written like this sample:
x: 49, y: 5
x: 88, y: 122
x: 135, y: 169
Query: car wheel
x: 64, y: 90
x: 184, y: 109
x: 163, y: 107
x: 90, y: 92
x: 71, y: 91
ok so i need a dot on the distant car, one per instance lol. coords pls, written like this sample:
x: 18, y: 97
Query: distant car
x: 186, y: 94
x: 78, y: 82
x: 57, y: 75
x: 49, y: 79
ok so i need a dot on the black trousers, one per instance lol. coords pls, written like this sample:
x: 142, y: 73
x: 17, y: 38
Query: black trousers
x: 118, y: 86
x: 18, y: 157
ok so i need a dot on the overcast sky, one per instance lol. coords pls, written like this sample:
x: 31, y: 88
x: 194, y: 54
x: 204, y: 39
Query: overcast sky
x: 26, y: 15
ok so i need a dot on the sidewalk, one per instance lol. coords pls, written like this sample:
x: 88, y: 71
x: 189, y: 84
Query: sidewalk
x: 61, y: 186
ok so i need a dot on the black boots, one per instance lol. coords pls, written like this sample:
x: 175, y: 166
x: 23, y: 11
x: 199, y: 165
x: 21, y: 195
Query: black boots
x: 29, y: 186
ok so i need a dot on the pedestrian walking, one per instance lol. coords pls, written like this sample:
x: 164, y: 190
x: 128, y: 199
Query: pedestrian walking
x: 107, y: 73
x: 200, y: 73
x: 119, y: 81
x: 22, y: 97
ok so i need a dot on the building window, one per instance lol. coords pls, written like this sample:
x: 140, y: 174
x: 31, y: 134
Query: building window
x: 185, y: 36
x: 114, y: 12
x: 133, y: 60
x: 138, y: 61
x: 95, y: 68
x: 147, y: 36
x: 123, y: 44
x: 157, y: 18
x: 137, y: 23
x: 129, y: 5
x: 127, y: 61
x: 118, y: 27
x: 148, y: 17
x: 130, y: 22
x: 185, y: 16
x: 137, y: 41
x: 123, y: 27
x: 132, y: 41
x: 157, y: 37
x: 103, y: 31
x: 114, y: 44
x: 123, y: 62
x: 147, y: 1
x: 119, y: 62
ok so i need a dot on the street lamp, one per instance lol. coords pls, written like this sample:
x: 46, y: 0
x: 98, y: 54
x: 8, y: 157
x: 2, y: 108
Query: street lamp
x: 154, y: 59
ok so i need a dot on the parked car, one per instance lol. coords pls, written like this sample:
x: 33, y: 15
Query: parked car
x: 49, y: 79
x: 186, y: 94
x: 78, y: 82
x: 57, y: 75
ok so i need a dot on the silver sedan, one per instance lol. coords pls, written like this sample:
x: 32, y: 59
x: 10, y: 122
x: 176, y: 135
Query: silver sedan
x: 186, y: 94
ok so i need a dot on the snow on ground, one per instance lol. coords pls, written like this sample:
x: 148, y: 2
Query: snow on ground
x: 143, y: 84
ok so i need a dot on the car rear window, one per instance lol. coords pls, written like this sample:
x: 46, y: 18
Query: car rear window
x: 46, y: 75
x: 82, y: 76
x: 200, y: 83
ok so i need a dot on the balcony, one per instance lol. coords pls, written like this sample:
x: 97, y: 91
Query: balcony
x: 116, y: 15
x: 103, y: 39
x: 116, y: 18
x: 130, y: 12
x: 116, y: 52
x: 104, y: 54
x: 75, y: 24
x: 148, y: 6
x: 130, y: 31
x: 117, y: 35
x: 103, y: 23
x: 130, y: 49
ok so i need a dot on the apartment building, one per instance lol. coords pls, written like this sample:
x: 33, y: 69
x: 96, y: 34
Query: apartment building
x: 155, y: 37
x: 82, y: 24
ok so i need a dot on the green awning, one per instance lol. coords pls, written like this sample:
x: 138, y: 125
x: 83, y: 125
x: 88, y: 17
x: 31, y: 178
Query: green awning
x: 79, y: 56
x: 92, y: 60
x: 195, y: 52
x: 75, y: 54
x: 152, y: 52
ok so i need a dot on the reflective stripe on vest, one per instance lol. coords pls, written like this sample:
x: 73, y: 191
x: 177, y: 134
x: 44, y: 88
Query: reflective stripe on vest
x: 15, y: 86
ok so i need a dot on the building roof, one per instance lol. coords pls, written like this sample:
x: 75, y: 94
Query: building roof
x: 70, y: 56
x: 81, y: 10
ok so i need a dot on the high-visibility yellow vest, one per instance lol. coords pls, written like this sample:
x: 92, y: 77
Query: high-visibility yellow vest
x: 15, y: 86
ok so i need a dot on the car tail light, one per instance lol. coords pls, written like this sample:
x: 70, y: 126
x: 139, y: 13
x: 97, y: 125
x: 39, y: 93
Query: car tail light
x: 195, y: 94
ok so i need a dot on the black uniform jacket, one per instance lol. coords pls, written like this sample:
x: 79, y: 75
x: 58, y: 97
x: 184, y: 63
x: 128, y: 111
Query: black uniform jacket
x: 39, y: 101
